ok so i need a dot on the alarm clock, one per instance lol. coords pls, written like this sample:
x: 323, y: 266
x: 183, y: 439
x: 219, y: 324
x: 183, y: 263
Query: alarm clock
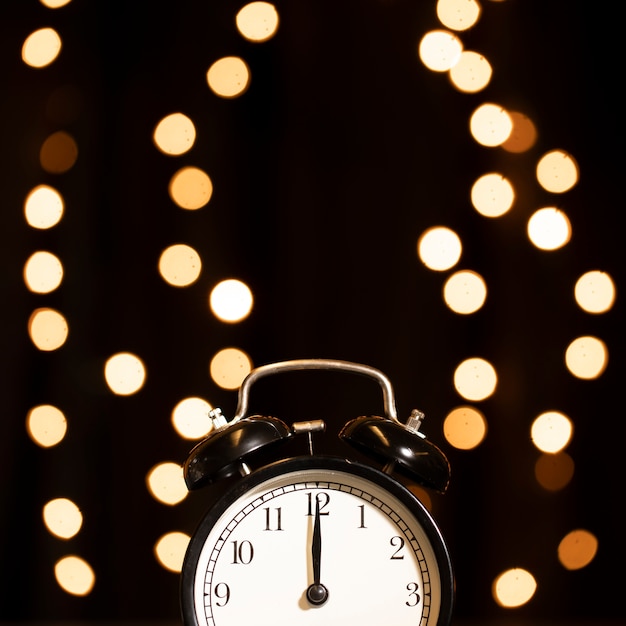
x: 314, y: 539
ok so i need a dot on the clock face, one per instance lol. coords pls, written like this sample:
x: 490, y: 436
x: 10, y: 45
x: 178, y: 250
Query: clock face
x: 317, y: 541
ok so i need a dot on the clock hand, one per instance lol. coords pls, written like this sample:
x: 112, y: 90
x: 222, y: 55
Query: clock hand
x: 317, y: 593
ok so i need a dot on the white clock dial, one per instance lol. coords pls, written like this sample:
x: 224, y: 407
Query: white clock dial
x: 317, y: 545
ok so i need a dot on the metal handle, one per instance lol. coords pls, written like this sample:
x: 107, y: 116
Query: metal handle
x: 316, y: 364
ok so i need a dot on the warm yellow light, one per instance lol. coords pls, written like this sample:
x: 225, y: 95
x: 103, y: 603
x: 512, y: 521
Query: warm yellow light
x: 229, y: 367
x: 595, y: 292
x: 43, y: 272
x: 175, y: 134
x: 191, y: 418
x: 58, y: 153
x: 492, y: 195
x: 514, y: 588
x: 166, y: 483
x: 190, y: 188
x: 180, y: 265
x: 43, y: 207
x: 458, y: 14
x: 586, y: 357
x: 490, y: 125
x: 170, y: 550
x: 523, y: 136
x: 46, y: 425
x: 577, y: 549
x: 475, y: 379
x: 54, y: 4
x: 554, y: 471
x: 229, y: 77
x: 124, y: 373
x: 48, y: 329
x: 549, y: 229
x: 439, y: 248
x: 74, y: 575
x: 41, y: 47
x: 465, y: 292
x: 257, y: 21
x: 465, y: 428
x: 472, y: 73
x: 557, y: 171
x: 62, y: 518
x: 440, y: 50
x: 231, y: 300
x: 551, y: 431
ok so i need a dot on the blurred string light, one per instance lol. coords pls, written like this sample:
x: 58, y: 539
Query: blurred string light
x: 439, y: 248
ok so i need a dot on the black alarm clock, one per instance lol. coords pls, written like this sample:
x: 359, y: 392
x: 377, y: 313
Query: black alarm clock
x: 314, y: 539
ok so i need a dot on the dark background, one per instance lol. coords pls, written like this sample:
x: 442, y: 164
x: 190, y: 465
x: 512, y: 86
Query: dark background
x: 342, y: 152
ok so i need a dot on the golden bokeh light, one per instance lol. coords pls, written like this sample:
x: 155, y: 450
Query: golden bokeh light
x: 229, y: 367
x: 43, y: 272
x: 557, y: 171
x: 475, y: 379
x: 440, y: 50
x: 257, y: 21
x: 586, y: 357
x: 62, y: 518
x: 180, y: 265
x: 48, y: 329
x: 43, y: 207
x: 231, y: 300
x: 595, y: 292
x: 490, y: 125
x: 554, y: 471
x: 465, y: 292
x: 514, y: 587
x: 465, y: 428
x: 175, y: 134
x: 170, y: 550
x: 58, y: 153
x: 439, y: 248
x: 41, y: 47
x: 54, y: 4
x: 492, y: 195
x: 523, y: 136
x: 551, y: 431
x: 229, y: 77
x: 472, y: 73
x: 124, y: 373
x: 166, y: 483
x: 75, y: 575
x: 191, y: 419
x: 577, y: 549
x: 549, y: 229
x: 458, y: 15
x: 46, y: 425
x: 191, y: 188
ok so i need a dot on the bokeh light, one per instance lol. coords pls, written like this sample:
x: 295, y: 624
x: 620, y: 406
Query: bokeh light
x: 577, y: 549
x: 465, y: 292
x: 48, y: 329
x: 557, y: 171
x: 440, y: 50
x: 166, y: 483
x: 62, y: 517
x: 58, y: 153
x: 554, y: 471
x: 75, y: 575
x: 43, y: 272
x: 180, y: 265
x: 549, y: 229
x: 595, y: 292
x: 523, y: 135
x: 551, y: 431
x: 46, y: 425
x: 514, y: 587
x: 229, y: 77
x: 586, y: 357
x: 55, y: 4
x: 41, y: 47
x: 475, y: 379
x: 175, y: 134
x: 125, y: 373
x: 231, y: 300
x: 490, y: 125
x: 439, y: 248
x: 43, y: 207
x: 191, y: 418
x: 229, y: 367
x: 191, y: 188
x: 472, y: 73
x: 170, y: 550
x: 492, y: 195
x: 465, y: 428
x: 257, y: 21
x: 458, y: 15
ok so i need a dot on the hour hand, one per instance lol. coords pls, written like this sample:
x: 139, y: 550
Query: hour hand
x: 317, y: 593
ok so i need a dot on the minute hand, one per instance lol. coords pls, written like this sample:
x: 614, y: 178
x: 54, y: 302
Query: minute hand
x: 317, y: 593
